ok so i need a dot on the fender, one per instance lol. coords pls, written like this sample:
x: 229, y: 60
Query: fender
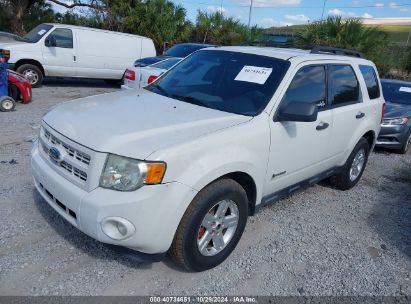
x: 200, y: 162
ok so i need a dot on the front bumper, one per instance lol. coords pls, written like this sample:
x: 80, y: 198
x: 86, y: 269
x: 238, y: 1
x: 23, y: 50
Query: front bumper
x: 155, y: 211
x: 393, y: 136
x: 10, y: 66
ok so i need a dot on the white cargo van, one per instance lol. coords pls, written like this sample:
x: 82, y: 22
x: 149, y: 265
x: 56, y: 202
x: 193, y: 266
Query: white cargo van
x: 71, y: 51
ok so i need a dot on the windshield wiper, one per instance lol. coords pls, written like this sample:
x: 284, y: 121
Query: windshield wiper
x: 190, y: 99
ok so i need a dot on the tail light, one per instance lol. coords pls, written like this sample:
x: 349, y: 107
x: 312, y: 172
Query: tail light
x: 130, y: 75
x: 382, y: 112
x: 151, y: 78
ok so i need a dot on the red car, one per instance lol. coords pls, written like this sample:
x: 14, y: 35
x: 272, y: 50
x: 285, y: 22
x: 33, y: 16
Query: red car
x: 19, y: 87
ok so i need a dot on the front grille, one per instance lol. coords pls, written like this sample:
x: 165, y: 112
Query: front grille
x: 80, y: 156
x: 66, y: 166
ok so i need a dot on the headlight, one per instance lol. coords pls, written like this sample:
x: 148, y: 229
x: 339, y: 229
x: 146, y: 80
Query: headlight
x: 128, y: 174
x: 395, y: 121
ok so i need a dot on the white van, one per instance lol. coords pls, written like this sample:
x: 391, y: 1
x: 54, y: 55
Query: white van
x: 70, y: 51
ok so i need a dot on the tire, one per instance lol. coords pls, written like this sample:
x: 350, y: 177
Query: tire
x: 7, y: 104
x: 185, y: 250
x: 406, y: 145
x: 345, y: 180
x: 14, y: 92
x: 32, y: 73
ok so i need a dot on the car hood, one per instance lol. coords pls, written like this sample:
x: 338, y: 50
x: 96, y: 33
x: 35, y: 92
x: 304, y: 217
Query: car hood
x: 135, y: 123
x: 393, y: 110
x: 11, y: 44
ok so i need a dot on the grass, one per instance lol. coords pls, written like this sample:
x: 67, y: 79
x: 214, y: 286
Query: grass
x: 396, y: 33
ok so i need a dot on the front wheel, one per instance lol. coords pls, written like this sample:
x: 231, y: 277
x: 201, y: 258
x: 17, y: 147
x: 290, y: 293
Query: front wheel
x: 211, y: 226
x: 406, y: 144
x: 354, y: 167
x: 32, y: 73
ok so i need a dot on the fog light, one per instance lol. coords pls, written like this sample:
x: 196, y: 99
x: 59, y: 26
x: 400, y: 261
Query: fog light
x: 117, y: 228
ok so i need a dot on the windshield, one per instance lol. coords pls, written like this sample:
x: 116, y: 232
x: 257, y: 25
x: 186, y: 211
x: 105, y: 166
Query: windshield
x: 183, y: 50
x: 397, y: 92
x: 35, y: 34
x: 166, y: 64
x: 226, y: 81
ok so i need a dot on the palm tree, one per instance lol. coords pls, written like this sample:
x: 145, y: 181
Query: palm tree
x: 347, y: 33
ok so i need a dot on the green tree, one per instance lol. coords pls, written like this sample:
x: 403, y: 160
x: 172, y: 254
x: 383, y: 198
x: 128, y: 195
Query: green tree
x: 161, y: 20
x: 351, y: 34
x: 217, y: 28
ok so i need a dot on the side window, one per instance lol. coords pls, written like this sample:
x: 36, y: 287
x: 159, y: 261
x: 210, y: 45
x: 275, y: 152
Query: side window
x: 371, y: 81
x: 343, y: 85
x: 308, y: 85
x: 62, y: 38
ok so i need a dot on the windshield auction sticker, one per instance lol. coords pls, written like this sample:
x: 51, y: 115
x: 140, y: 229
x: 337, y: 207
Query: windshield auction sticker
x: 405, y: 89
x: 254, y: 74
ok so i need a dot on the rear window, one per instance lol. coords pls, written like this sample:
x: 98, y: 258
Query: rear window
x: 166, y: 64
x: 183, y: 50
x: 343, y: 83
x: 371, y: 81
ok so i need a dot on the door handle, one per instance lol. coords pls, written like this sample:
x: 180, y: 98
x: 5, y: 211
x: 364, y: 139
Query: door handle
x: 360, y: 115
x: 322, y: 126
x: 74, y: 58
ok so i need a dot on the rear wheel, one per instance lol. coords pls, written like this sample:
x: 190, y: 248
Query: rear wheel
x: 32, y: 73
x: 211, y: 226
x: 353, y: 168
x: 113, y: 82
x: 7, y: 104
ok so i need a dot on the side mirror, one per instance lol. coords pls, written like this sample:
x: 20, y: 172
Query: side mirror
x: 298, y: 111
x: 50, y: 41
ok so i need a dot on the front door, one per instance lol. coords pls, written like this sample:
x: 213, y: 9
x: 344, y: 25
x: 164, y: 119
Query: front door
x: 299, y: 150
x: 59, y: 53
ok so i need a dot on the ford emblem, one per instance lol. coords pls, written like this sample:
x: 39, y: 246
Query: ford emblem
x: 55, y: 154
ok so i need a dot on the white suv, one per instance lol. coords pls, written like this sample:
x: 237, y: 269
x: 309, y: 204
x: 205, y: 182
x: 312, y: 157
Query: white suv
x: 178, y: 166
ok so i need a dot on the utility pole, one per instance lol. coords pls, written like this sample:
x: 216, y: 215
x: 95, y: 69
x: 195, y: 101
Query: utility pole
x: 322, y: 14
x: 249, y: 20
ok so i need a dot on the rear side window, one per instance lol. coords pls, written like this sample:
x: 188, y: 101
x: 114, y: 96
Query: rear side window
x: 371, y: 81
x: 63, y: 38
x: 343, y: 85
x: 308, y: 85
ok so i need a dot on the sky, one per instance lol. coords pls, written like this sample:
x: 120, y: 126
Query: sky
x: 268, y: 13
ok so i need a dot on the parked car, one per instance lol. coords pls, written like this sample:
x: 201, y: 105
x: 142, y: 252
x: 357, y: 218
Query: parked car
x: 19, y: 87
x: 180, y: 50
x: 180, y: 165
x: 139, y: 77
x: 396, y: 127
x: 72, y: 51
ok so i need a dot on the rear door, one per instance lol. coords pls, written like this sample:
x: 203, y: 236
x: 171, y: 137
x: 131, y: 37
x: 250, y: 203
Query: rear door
x: 59, y: 53
x: 349, y: 108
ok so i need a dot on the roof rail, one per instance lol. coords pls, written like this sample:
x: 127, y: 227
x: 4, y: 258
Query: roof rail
x: 318, y: 49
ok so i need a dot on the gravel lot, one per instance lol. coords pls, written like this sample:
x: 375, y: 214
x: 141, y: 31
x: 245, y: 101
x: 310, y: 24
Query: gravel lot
x: 318, y: 242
